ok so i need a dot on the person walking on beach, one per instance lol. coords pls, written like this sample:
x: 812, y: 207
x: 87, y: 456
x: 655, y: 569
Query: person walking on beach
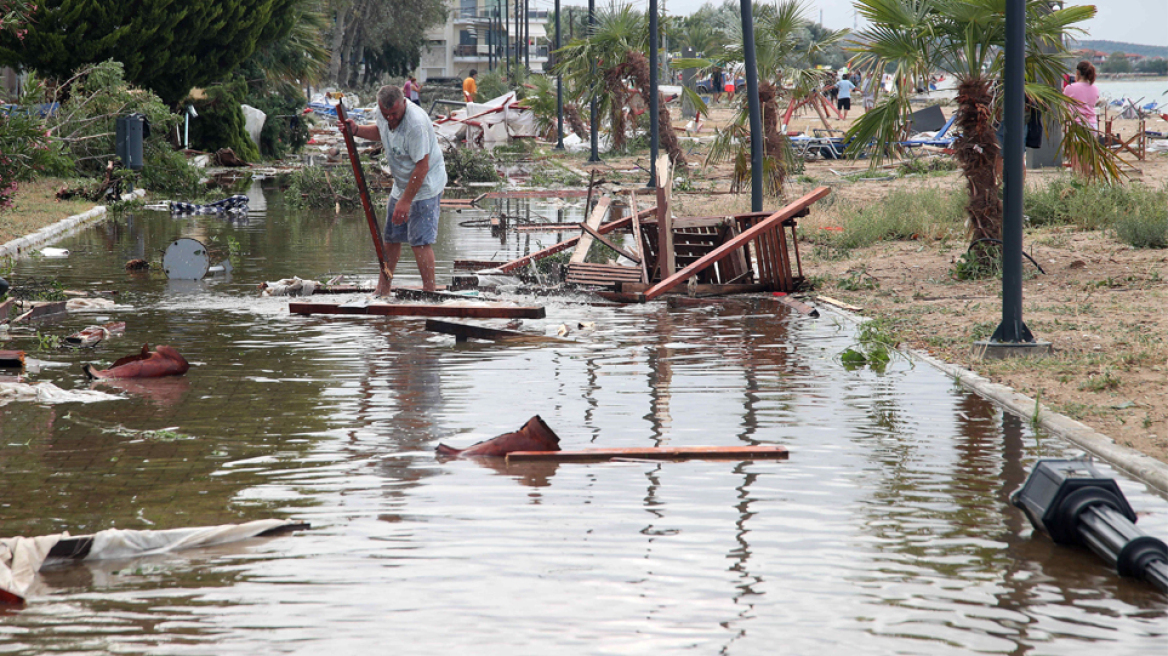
x: 419, y: 178
x: 844, y: 92
x: 470, y: 88
x: 717, y: 81
x: 1084, y: 91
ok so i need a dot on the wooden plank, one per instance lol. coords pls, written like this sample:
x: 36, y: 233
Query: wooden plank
x: 772, y: 222
x: 43, y: 310
x: 538, y: 193
x: 5, y: 308
x: 840, y: 304
x: 462, y: 332
x: 665, y: 255
x: 602, y: 239
x: 675, y: 453
x: 12, y: 359
x: 476, y: 265
x: 798, y: 306
x: 387, y: 310
x: 586, y: 239
x: 604, y: 229
x: 704, y: 289
x: 637, y: 236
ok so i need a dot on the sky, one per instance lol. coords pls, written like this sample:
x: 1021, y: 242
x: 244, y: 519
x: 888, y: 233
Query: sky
x: 1134, y: 21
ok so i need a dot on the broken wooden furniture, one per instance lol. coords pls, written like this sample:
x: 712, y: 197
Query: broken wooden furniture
x: 12, y: 359
x: 667, y: 453
x: 94, y: 335
x: 463, y: 332
x: 480, y: 311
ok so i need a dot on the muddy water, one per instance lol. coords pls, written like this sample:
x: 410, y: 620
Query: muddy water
x: 887, y: 531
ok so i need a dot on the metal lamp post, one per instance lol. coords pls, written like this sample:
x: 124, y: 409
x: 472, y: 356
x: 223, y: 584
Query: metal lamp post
x: 594, y: 128
x: 756, y: 142
x: 1012, y: 337
x: 559, y: 88
x: 653, y: 136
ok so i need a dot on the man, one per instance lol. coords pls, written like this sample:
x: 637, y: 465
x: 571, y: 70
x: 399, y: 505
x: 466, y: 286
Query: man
x: 844, y: 101
x: 419, y: 178
x: 717, y: 81
x: 469, y: 87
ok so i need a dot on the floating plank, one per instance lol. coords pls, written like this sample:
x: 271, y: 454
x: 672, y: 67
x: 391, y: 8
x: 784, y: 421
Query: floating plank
x: 43, y: 310
x: 702, y: 289
x: 476, y: 265
x: 798, y: 306
x: 772, y: 222
x: 12, y: 359
x: 604, y: 229
x: 655, y: 453
x: 637, y: 236
x: 586, y: 239
x: 546, y: 227
x: 462, y: 332
x: 536, y: 193
x: 388, y: 310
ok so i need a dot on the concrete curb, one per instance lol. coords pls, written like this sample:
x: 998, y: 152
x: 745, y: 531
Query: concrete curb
x: 52, y: 233
x: 1143, y: 467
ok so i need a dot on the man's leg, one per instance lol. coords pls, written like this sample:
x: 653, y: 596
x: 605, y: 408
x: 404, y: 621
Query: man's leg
x: 424, y: 255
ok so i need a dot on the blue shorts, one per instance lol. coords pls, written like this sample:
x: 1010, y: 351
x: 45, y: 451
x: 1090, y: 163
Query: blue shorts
x: 421, y: 228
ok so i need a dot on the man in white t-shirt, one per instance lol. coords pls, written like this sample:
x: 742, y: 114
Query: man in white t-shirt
x: 419, y: 177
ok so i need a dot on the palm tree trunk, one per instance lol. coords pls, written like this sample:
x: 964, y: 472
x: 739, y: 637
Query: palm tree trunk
x: 979, y: 153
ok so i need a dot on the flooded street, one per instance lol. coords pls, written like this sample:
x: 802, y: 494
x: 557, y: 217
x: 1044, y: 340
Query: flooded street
x: 887, y: 531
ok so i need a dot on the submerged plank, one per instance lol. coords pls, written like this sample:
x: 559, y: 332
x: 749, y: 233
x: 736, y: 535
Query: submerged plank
x: 655, y: 453
x: 442, y: 310
x: 463, y: 332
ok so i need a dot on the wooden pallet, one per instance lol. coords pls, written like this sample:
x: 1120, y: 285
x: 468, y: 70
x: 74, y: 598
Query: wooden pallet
x: 601, y: 275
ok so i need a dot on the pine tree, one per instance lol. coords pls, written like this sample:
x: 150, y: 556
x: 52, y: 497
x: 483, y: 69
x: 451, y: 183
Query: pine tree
x: 167, y: 46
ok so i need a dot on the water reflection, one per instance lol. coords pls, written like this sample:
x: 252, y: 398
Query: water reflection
x: 888, y: 531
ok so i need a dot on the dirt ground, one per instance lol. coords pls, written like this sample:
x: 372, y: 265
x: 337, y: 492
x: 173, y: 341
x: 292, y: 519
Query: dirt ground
x: 1101, y: 303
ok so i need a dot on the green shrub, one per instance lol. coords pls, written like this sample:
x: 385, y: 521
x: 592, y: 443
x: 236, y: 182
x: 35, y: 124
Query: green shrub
x: 1146, y: 226
x: 220, y: 123
x: 166, y: 171
x: 316, y: 186
x: 286, y: 128
x: 469, y: 165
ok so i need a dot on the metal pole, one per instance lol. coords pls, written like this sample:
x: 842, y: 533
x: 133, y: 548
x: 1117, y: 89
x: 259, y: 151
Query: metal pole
x: 653, y: 136
x: 756, y: 144
x: 1012, y: 329
x: 527, y: 35
x: 506, y: 28
x: 559, y: 88
x: 518, y: 36
x: 594, y: 128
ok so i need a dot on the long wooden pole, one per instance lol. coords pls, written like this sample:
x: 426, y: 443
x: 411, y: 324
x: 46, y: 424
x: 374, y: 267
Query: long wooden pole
x: 359, y: 174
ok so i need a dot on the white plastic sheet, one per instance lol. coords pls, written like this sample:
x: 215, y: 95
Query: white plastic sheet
x: 49, y: 394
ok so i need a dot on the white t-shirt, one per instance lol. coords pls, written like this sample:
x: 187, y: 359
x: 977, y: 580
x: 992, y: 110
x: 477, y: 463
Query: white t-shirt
x: 413, y: 139
x: 845, y: 87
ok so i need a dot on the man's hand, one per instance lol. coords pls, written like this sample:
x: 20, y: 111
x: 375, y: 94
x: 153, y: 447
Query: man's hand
x: 401, y: 211
x: 348, y: 125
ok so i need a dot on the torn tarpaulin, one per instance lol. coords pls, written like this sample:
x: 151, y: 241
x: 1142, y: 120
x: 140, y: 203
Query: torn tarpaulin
x: 21, y: 558
x: 236, y: 204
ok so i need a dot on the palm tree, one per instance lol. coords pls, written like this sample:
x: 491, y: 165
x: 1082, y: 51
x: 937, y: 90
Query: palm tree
x: 784, y: 51
x: 912, y: 39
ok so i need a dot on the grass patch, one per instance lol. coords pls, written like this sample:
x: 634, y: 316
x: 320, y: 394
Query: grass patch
x: 922, y: 214
x: 317, y: 186
x: 1138, y: 214
x: 36, y: 206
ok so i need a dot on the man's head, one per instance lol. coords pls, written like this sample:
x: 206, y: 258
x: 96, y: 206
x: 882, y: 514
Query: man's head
x: 473, y: 72
x: 392, y: 104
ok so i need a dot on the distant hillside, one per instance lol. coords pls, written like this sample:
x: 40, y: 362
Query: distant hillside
x: 1119, y: 46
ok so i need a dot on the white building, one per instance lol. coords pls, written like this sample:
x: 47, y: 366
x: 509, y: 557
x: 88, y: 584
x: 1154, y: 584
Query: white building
x: 467, y: 41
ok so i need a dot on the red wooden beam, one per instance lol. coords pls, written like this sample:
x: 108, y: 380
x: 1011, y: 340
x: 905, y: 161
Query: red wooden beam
x: 772, y: 222
x: 655, y: 453
x: 604, y: 229
x: 387, y: 310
